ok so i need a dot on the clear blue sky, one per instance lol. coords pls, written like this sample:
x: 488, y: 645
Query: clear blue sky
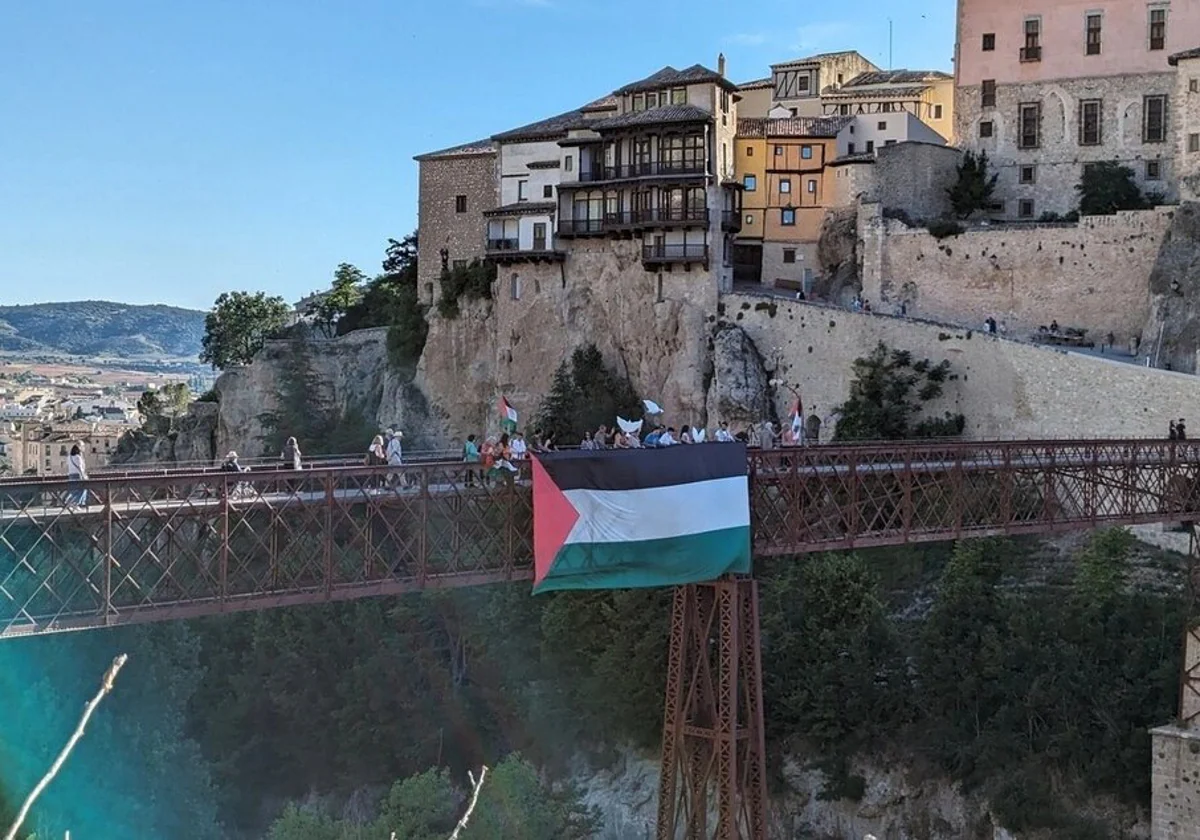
x: 166, y: 151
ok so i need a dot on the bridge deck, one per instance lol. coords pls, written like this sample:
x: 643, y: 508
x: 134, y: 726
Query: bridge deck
x: 186, y: 544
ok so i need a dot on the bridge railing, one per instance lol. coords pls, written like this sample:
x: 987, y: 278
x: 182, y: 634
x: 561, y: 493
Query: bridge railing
x: 109, y: 551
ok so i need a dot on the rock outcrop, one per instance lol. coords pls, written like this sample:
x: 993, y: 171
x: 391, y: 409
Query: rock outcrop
x: 1174, y: 326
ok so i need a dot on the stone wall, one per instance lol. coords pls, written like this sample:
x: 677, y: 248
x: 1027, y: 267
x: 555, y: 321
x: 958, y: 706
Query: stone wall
x: 1175, y: 784
x: 442, y: 180
x: 1094, y: 274
x: 912, y: 177
x: 1005, y: 388
x: 1186, y: 120
x: 1058, y: 159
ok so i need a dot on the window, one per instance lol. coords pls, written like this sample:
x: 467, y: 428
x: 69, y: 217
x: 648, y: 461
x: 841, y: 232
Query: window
x: 844, y: 110
x: 1158, y: 28
x: 841, y: 77
x: 870, y: 146
x: 849, y: 148
x: 794, y: 111
x: 1194, y: 143
x: 1029, y: 118
x: 652, y: 100
x: 778, y: 151
x: 785, y: 185
x: 1090, y: 119
x: 458, y: 265
x: 749, y: 218
x: 787, y: 217
x: 987, y: 94
x: 1028, y: 174
x: 460, y: 204
x: 678, y: 96
x: 749, y: 151
x: 806, y: 152
x: 515, y: 286
x: 724, y: 100
x: 881, y: 125
x: 1093, y: 33
x: 889, y: 142
x: 639, y: 102
x: 1154, y: 119
x: 1153, y: 170
x: 750, y: 183
x: 937, y: 112
x: 789, y: 255
x: 812, y: 185
x: 1194, y: 86
x: 1032, y: 51
x: 1025, y: 208
x: 989, y: 41
x: 522, y: 190
x: 802, y: 84
x: 547, y: 191
x: 568, y: 163
x: 658, y: 291
x: 539, y: 237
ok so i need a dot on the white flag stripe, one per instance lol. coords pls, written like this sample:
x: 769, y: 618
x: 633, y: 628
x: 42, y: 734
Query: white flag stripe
x: 654, y: 513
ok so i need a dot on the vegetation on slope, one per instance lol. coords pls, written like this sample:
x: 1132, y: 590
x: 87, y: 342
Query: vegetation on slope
x: 101, y: 329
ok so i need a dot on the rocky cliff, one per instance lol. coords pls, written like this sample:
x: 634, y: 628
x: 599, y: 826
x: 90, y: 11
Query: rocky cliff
x: 1173, y: 331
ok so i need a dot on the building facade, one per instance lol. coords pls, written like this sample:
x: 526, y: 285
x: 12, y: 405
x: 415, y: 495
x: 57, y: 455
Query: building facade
x: 456, y: 186
x: 1046, y: 87
x: 796, y: 88
x: 37, y: 449
x: 658, y: 169
x: 928, y: 95
x: 1187, y: 122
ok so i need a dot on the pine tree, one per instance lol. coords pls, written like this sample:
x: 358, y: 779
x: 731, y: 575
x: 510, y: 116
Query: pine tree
x: 974, y: 187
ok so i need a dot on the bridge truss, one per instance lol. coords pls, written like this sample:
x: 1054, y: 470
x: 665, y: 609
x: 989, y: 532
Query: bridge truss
x: 181, y: 545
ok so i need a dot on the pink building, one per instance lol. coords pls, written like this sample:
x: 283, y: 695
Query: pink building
x: 1047, y: 87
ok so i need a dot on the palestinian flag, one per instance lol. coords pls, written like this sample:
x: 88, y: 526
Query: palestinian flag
x: 632, y: 519
x: 508, y: 416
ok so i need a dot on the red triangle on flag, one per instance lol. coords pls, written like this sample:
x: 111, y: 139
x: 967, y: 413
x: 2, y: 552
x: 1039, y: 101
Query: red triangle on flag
x: 553, y: 518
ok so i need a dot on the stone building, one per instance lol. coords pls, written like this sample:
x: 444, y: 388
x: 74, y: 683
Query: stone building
x: 456, y: 186
x: 1187, y: 122
x: 1046, y: 87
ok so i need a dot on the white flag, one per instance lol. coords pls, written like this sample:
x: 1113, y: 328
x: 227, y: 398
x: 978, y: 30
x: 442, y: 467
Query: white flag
x: 652, y: 407
x: 628, y: 426
x: 699, y: 435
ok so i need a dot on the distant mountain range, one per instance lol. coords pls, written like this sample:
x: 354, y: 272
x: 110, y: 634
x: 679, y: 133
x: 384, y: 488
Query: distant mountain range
x: 100, y: 329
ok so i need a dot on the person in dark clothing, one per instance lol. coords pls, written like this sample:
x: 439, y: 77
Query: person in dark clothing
x: 1172, y: 432
x: 1181, y: 429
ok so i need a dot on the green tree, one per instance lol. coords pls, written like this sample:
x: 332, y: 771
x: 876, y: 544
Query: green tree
x: 584, y: 395
x: 238, y: 326
x: 516, y: 805
x: 888, y: 397
x: 392, y: 300
x: 304, y: 824
x: 343, y: 295
x: 973, y: 189
x: 1107, y: 187
x: 162, y: 407
x: 422, y: 807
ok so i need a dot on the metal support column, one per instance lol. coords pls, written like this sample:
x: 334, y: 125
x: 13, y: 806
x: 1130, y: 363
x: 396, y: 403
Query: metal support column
x: 1189, y: 678
x: 713, y: 744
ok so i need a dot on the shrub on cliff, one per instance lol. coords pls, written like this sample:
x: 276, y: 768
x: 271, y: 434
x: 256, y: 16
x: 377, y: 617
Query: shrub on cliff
x: 470, y: 282
x: 888, y: 397
x: 391, y: 300
x: 584, y: 395
x: 973, y: 189
x: 1108, y: 187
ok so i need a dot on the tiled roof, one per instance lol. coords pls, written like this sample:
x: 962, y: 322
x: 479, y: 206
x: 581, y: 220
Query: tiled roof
x: 523, y: 208
x: 898, y: 77
x: 874, y: 92
x: 547, y: 129
x: 757, y: 83
x: 670, y: 77
x: 1184, y: 56
x: 813, y: 59
x: 479, y: 147
x: 861, y: 157
x: 793, y: 127
x: 654, y: 116
x: 604, y: 103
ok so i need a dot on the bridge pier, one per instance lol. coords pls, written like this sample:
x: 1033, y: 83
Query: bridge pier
x: 713, y: 740
x: 1175, y: 749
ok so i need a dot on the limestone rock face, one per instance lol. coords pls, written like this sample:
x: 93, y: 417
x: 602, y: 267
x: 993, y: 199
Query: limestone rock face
x: 1175, y: 294
x: 739, y: 393
x: 837, y: 250
x: 194, y: 441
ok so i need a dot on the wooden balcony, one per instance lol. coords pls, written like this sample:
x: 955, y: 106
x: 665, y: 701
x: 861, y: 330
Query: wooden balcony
x: 655, y: 255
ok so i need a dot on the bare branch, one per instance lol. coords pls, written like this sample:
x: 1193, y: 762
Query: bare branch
x: 106, y: 685
x: 476, y: 787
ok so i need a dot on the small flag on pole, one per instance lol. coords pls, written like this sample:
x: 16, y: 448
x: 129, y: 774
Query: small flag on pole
x: 508, y: 416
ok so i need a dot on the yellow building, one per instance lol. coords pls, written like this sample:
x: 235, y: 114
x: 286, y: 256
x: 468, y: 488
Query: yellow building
x: 787, y: 184
x: 926, y: 94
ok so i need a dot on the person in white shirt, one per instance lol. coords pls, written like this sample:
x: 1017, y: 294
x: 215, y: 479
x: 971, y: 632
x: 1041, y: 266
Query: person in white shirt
x: 723, y: 435
x: 77, y: 473
x: 518, y: 447
x: 394, y: 454
x: 668, y: 438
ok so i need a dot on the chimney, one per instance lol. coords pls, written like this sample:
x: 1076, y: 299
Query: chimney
x: 721, y: 64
